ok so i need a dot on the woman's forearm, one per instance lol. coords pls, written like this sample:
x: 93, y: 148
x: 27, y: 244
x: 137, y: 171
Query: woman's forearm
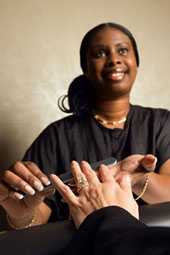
x: 158, y: 188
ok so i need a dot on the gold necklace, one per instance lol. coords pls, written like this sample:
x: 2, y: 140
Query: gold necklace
x: 108, y: 122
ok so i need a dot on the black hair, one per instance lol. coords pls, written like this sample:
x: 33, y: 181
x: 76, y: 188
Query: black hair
x: 80, y: 95
x: 81, y: 92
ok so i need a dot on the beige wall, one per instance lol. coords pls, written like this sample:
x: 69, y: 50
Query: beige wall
x: 39, y: 45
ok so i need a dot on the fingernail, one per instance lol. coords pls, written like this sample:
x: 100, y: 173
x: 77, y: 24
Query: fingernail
x: 74, y: 163
x: 30, y: 190
x: 52, y: 175
x: 103, y: 166
x: 38, y: 185
x: 45, y: 180
x: 19, y: 196
x: 84, y: 163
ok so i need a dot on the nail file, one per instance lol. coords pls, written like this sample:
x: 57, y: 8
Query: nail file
x: 68, y: 177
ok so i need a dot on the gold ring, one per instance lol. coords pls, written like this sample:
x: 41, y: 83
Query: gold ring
x: 81, y: 183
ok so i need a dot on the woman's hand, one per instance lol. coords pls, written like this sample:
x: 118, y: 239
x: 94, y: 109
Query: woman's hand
x: 21, y: 190
x: 95, y: 192
x: 136, y: 166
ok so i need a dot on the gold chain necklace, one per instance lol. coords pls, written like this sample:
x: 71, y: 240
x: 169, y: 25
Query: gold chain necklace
x: 108, y: 122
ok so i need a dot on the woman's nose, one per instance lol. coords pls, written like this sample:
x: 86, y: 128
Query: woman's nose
x: 113, y: 59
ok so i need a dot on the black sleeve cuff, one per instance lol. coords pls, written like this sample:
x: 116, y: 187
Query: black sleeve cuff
x: 120, y: 218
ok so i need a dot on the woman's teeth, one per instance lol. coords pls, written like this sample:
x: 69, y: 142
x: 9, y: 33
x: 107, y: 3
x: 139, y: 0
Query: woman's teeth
x: 116, y: 76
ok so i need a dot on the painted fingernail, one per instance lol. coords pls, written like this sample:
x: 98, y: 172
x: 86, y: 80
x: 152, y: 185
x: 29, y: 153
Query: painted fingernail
x: 19, y: 196
x: 38, y: 185
x: 30, y: 190
x: 52, y: 175
x: 45, y: 180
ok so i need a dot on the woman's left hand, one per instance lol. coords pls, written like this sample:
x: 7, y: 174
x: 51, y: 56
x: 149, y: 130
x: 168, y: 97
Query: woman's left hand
x: 95, y: 192
x: 136, y: 166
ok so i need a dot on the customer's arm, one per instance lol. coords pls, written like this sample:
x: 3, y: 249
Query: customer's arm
x: 112, y: 230
x: 106, y: 215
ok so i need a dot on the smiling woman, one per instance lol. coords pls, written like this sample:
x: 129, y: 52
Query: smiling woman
x: 103, y: 124
x: 111, y: 64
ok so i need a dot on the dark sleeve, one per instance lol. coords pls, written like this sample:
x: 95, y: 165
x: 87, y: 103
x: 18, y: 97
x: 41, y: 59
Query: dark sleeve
x: 44, y: 149
x: 112, y: 230
x: 163, y: 136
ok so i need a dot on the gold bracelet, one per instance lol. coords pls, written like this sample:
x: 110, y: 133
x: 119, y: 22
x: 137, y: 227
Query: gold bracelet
x: 144, y: 188
x: 12, y: 225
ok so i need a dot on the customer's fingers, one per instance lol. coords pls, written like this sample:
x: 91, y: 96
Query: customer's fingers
x: 90, y: 174
x: 78, y: 175
x: 64, y: 190
x: 105, y: 174
x: 125, y: 183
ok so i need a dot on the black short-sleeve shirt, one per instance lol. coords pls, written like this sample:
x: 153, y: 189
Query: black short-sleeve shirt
x: 147, y: 130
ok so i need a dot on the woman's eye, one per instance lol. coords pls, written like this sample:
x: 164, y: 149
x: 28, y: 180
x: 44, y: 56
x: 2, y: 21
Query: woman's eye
x: 100, y: 54
x: 123, y: 51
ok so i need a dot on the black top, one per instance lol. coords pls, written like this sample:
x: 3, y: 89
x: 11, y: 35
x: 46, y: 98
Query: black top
x: 112, y: 230
x: 147, y: 130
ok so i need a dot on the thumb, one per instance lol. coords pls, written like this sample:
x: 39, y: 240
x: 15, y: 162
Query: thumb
x: 149, y: 162
x: 125, y: 183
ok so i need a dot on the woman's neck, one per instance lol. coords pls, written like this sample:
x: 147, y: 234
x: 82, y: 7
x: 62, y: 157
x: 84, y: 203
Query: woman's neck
x: 112, y: 110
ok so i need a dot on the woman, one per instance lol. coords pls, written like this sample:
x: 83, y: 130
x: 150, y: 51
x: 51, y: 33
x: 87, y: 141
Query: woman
x: 103, y: 124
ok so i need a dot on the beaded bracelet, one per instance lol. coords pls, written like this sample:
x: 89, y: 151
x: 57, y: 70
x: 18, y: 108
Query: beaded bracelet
x: 12, y: 225
x: 144, y: 188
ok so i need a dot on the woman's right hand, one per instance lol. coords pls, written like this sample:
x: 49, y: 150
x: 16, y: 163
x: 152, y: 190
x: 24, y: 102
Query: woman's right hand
x: 21, y: 189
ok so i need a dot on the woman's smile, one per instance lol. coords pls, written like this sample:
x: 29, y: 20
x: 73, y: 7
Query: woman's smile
x: 115, y: 75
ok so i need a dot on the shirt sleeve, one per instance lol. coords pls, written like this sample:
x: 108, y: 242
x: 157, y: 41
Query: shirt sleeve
x: 43, y: 150
x: 112, y: 230
x: 163, y: 138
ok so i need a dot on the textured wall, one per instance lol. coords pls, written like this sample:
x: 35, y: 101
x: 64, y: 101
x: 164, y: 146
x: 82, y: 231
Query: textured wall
x: 39, y: 56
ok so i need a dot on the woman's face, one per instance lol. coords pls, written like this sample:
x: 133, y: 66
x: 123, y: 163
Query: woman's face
x: 111, y: 63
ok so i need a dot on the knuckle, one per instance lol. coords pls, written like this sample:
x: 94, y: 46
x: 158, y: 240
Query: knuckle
x: 66, y: 189
x: 33, y: 168
x: 30, y: 164
x: 30, y: 178
x: 39, y: 174
x: 20, y: 183
x: 17, y: 164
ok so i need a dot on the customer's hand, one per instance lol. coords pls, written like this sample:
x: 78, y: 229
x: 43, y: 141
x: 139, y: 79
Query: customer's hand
x: 21, y: 189
x: 95, y: 192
